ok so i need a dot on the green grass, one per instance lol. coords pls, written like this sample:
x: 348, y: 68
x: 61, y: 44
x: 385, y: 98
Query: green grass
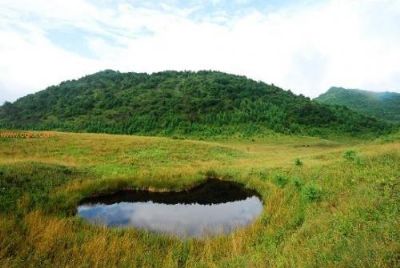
x: 340, y: 207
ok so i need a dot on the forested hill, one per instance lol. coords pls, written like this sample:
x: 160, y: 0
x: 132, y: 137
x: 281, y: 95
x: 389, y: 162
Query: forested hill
x: 201, y: 103
x: 382, y: 105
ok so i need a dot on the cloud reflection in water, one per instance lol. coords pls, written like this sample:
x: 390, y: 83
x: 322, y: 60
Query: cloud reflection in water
x: 184, y: 220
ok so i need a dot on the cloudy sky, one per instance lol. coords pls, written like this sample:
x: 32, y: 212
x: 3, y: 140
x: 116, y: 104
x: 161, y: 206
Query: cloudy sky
x: 306, y: 46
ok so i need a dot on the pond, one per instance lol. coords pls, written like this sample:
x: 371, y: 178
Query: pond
x: 212, y: 208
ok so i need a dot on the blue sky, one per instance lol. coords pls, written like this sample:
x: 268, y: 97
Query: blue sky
x: 306, y: 46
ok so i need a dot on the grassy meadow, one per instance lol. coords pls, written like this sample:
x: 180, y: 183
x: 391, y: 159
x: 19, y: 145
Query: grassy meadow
x: 326, y: 202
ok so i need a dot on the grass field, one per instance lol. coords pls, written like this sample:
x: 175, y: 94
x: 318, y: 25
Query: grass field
x: 326, y: 203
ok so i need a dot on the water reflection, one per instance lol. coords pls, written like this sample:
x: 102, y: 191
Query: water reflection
x: 194, y: 218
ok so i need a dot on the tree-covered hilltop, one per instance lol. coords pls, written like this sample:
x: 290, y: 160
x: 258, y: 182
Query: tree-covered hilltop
x: 382, y: 105
x: 202, y: 103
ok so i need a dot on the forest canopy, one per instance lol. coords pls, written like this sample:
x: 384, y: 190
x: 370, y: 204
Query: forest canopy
x: 203, y: 103
x: 382, y: 105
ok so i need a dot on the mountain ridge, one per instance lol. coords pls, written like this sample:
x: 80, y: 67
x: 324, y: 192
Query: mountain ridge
x: 382, y: 105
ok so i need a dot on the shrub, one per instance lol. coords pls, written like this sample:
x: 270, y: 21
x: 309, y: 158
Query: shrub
x: 353, y: 156
x: 350, y: 155
x: 312, y: 193
x: 281, y: 180
x: 298, y: 162
x: 298, y: 183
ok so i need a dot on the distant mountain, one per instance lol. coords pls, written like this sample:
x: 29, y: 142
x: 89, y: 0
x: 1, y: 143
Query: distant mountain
x: 204, y: 103
x: 382, y: 105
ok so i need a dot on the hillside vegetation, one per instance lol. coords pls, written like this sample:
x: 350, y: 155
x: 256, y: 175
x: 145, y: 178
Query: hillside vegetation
x: 204, y: 103
x: 382, y: 105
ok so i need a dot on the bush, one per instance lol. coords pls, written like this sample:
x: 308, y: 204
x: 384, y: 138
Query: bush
x: 298, y: 162
x: 281, y: 180
x: 312, y: 193
x: 298, y: 183
x: 353, y: 157
x: 350, y: 155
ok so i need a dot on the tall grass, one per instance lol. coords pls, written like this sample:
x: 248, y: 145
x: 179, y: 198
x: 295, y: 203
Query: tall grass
x: 327, y: 212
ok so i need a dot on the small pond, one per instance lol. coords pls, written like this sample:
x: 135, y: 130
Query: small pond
x: 214, y: 207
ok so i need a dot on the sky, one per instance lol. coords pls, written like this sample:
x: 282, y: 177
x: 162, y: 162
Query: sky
x: 305, y: 46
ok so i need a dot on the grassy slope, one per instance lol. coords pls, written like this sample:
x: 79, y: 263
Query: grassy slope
x: 329, y: 211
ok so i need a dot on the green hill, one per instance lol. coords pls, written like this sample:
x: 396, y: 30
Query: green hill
x: 203, y: 103
x: 382, y: 105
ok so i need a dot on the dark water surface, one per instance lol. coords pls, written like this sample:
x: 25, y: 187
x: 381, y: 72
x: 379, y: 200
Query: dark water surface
x: 214, y: 207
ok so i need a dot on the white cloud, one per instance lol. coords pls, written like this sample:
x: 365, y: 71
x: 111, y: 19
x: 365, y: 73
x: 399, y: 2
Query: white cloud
x: 306, y: 48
